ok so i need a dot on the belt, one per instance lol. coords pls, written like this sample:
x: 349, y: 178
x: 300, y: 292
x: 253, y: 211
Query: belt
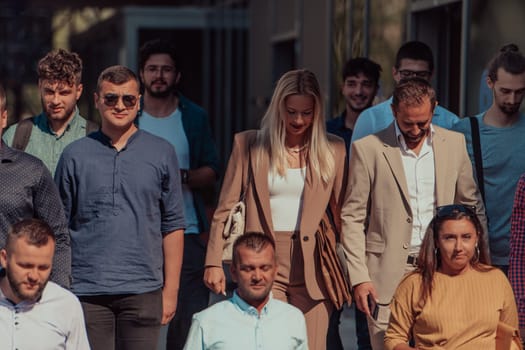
x: 412, y: 260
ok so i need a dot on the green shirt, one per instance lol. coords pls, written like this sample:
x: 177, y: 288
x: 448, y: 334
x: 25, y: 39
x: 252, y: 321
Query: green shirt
x: 44, y: 143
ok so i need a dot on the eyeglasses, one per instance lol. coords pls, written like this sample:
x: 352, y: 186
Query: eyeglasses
x: 452, y: 209
x: 407, y: 73
x: 111, y: 100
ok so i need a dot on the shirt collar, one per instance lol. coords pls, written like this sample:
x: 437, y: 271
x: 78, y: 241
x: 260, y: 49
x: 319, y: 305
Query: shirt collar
x: 247, y: 308
x: 401, y: 139
x: 105, y: 140
x: 43, y: 122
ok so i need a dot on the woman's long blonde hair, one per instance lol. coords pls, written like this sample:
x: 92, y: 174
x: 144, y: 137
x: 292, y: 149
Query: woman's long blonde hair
x: 272, y: 135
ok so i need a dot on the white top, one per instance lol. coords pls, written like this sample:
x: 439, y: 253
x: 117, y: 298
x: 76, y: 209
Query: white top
x: 54, y: 322
x: 170, y: 128
x: 286, y: 198
x: 420, y: 176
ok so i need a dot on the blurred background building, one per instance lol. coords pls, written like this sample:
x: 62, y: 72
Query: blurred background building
x: 233, y: 51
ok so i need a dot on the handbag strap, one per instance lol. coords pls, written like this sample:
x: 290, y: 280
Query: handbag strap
x: 250, y: 172
x: 478, y: 160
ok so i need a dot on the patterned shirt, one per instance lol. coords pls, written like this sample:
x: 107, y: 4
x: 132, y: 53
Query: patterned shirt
x: 28, y: 191
x: 517, y: 249
x: 44, y: 143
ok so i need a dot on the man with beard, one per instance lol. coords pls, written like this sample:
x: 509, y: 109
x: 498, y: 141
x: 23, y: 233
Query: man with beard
x: 359, y: 87
x: 35, y: 313
x: 27, y: 191
x: 413, y: 59
x: 397, y: 177
x: 46, y: 135
x: 168, y: 114
x: 501, y: 135
x: 252, y: 318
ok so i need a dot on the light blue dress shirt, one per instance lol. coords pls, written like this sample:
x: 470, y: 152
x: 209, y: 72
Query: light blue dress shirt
x: 235, y: 325
x: 380, y: 116
x: 54, y: 322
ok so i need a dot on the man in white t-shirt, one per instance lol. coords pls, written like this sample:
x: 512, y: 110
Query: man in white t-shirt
x: 168, y: 114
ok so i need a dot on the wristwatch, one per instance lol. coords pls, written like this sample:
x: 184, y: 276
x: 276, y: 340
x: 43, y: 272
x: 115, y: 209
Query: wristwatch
x: 184, y: 176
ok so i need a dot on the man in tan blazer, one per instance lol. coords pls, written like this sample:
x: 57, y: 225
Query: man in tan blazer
x: 397, y: 177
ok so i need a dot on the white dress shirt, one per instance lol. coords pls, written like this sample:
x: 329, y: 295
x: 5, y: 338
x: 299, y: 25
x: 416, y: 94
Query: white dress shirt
x: 420, y: 176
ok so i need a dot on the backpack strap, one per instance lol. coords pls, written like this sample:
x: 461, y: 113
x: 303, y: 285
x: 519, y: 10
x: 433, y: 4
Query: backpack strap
x: 478, y: 160
x: 22, y: 134
x: 91, y: 126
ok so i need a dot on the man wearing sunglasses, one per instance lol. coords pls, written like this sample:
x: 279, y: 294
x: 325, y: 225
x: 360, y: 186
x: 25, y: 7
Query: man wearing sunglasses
x: 413, y: 59
x: 170, y: 115
x: 397, y: 177
x: 121, y: 191
x: 45, y: 136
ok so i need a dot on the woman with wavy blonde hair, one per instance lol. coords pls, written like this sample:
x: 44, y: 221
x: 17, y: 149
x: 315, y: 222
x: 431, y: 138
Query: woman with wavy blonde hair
x: 287, y: 171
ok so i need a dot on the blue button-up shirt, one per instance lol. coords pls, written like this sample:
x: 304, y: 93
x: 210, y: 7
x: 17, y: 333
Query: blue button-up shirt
x: 119, y: 204
x: 234, y: 324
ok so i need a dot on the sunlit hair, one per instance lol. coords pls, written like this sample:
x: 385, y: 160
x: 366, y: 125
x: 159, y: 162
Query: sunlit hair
x: 117, y: 75
x: 60, y: 66
x: 3, y: 99
x: 35, y: 231
x: 413, y: 92
x: 255, y: 241
x: 417, y: 51
x: 272, y: 135
x: 510, y: 59
x: 429, y: 259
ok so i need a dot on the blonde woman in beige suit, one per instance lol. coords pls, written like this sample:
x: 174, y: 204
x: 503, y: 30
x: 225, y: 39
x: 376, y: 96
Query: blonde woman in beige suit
x: 296, y: 167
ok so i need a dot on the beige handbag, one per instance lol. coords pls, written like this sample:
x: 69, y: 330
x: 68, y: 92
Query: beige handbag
x: 233, y: 228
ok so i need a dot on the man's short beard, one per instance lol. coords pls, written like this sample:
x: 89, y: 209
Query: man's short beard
x: 16, y: 290
x: 162, y: 94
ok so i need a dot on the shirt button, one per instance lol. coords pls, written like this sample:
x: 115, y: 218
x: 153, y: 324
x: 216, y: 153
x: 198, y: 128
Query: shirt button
x: 405, y: 245
x: 409, y: 220
x: 306, y: 238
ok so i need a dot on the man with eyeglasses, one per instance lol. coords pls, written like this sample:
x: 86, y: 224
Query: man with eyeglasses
x: 397, y: 177
x: 413, y: 59
x: 121, y: 191
x: 170, y: 115
x: 46, y: 135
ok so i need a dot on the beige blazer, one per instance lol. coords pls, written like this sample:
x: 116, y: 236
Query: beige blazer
x: 316, y: 196
x: 376, y: 214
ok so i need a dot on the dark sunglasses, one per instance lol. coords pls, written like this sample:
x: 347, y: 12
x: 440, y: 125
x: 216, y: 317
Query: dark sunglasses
x: 452, y: 209
x: 111, y: 100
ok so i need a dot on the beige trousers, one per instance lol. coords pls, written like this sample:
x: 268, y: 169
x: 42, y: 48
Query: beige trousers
x: 290, y: 287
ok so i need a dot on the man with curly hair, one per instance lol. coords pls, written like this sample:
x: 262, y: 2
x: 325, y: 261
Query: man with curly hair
x: 46, y: 135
